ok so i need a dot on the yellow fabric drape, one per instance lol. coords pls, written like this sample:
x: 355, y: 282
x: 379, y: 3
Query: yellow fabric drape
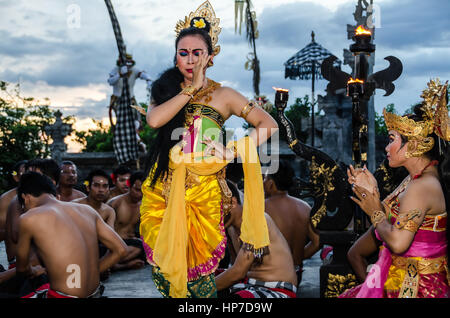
x: 171, y: 244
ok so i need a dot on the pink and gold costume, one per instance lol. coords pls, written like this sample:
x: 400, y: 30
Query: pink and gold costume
x: 420, y: 272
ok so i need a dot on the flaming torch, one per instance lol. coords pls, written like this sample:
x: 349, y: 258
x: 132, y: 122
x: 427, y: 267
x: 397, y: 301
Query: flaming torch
x: 281, y: 98
x: 360, y: 91
x: 362, y: 40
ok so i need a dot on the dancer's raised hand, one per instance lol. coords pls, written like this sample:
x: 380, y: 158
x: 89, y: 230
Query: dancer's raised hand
x: 199, y: 70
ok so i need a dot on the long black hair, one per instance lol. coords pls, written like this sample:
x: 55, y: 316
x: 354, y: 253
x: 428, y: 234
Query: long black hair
x: 164, y: 88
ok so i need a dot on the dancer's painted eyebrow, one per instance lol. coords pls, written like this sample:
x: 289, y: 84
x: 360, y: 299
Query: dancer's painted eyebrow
x: 187, y: 50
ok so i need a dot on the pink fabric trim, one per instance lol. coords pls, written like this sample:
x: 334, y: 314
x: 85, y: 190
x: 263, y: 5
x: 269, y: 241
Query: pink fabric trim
x: 373, y: 286
x: 206, y: 268
x: 148, y: 252
x: 200, y: 270
x: 211, y: 265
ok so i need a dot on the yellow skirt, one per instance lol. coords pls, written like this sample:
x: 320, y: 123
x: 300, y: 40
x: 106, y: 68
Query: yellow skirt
x: 204, y: 202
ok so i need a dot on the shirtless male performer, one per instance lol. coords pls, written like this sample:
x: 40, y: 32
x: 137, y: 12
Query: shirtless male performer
x: 68, y: 247
x: 67, y: 181
x: 51, y: 169
x: 119, y: 178
x: 98, y: 187
x: 274, y: 277
x: 5, y: 198
x: 291, y: 215
x: 127, y: 220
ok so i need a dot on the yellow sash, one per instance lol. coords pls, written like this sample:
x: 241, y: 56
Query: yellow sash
x: 171, y: 244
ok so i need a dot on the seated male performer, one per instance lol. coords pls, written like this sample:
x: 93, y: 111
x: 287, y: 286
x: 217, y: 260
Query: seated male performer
x: 98, y: 183
x: 51, y: 169
x: 127, y: 220
x: 98, y: 187
x: 5, y: 198
x: 65, y: 236
x: 119, y: 178
x: 67, y: 182
x: 291, y: 215
x: 273, y: 277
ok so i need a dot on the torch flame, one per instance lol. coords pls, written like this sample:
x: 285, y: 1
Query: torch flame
x: 355, y: 81
x: 360, y: 31
x: 280, y: 89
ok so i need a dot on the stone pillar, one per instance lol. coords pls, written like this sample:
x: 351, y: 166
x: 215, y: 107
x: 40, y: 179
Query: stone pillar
x: 58, y: 131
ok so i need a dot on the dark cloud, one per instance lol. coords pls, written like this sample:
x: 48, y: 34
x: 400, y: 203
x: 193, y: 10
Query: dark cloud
x: 407, y: 26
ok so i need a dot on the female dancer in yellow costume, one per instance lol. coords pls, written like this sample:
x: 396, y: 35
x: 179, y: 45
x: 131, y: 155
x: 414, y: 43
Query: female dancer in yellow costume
x: 185, y: 194
x: 412, y: 221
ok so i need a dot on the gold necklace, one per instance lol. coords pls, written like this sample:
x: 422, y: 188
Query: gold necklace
x: 204, y: 92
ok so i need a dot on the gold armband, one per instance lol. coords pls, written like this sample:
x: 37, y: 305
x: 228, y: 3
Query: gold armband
x: 189, y: 90
x: 247, y: 109
x: 406, y: 222
x: 411, y: 226
x: 377, y: 217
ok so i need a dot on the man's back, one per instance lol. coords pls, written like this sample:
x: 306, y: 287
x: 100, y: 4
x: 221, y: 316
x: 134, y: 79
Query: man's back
x: 65, y: 235
x: 5, y: 200
x: 291, y: 216
x: 278, y: 265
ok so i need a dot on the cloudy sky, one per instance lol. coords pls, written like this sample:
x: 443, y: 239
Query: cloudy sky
x: 64, y: 49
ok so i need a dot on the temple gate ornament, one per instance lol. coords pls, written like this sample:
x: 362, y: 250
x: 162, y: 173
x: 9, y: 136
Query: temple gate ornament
x: 58, y: 131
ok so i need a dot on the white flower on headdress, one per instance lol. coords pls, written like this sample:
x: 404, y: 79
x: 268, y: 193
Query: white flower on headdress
x: 199, y: 23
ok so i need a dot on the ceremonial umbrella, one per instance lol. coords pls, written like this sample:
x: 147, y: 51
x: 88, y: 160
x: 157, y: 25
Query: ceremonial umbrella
x: 305, y: 65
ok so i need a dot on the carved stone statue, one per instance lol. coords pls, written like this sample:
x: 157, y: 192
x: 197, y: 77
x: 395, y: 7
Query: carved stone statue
x: 58, y: 131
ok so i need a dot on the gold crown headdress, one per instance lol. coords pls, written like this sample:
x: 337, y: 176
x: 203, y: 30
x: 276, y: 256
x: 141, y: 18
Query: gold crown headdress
x: 206, y: 12
x: 435, y: 119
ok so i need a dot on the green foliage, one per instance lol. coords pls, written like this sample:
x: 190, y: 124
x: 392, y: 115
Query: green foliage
x: 100, y: 138
x: 22, y: 136
x: 147, y: 134
x: 380, y: 125
x: 295, y: 112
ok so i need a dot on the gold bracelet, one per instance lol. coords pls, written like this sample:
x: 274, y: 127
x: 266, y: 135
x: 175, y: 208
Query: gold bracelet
x: 247, y: 109
x: 377, y: 217
x: 189, y: 90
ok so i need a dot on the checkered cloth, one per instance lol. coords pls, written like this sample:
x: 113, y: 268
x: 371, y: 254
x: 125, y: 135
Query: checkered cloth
x: 252, y: 288
x: 300, y: 65
x: 124, y: 141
